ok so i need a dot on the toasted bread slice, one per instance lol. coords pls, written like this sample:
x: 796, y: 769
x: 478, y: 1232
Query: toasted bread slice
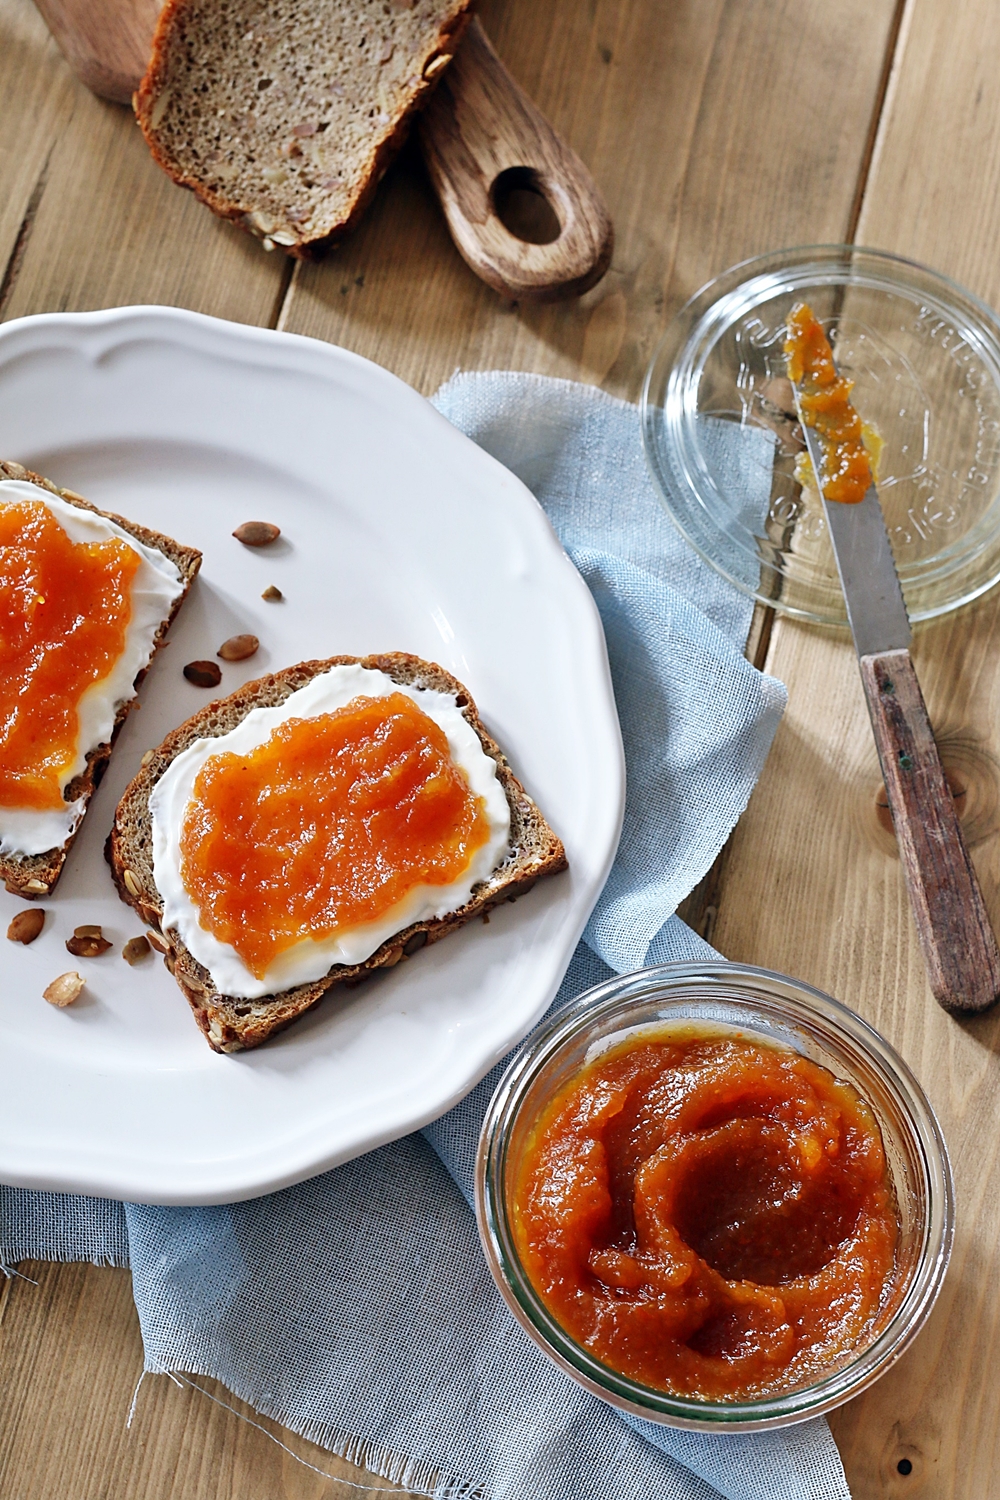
x: 32, y: 875
x: 284, y: 117
x: 232, y: 1024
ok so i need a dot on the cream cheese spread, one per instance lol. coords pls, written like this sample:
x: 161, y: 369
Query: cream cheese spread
x: 155, y: 586
x: 310, y: 959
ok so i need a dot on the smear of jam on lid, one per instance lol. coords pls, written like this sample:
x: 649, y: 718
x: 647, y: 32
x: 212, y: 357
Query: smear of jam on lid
x: 825, y: 405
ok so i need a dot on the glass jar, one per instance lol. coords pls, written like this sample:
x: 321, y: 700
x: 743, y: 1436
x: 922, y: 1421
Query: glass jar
x: 723, y: 442
x: 780, y: 1011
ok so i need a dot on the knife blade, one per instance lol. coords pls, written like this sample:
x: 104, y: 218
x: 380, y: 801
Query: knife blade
x: 957, y: 941
x: 875, y: 608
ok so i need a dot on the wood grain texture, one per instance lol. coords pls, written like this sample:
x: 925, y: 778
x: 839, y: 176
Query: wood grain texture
x: 480, y: 125
x: 813, y: 883
x: 956, y: 939
x: 72, y: 1357
x: 676, y: 111
x: 107, y: 46
x: 813, y: 886
x: 32, y: 72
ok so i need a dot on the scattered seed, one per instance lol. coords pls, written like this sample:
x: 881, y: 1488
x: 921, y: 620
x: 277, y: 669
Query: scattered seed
x: 203, y: 673
x: 272, y: 595
x: 147, y: 757
x: 257, y: 533
x: 26, y: 925
x: 38, y: 886
x: 87, y: 942
x: 155, y: 941
x: 238, y: 647
x: 64, y: 990
x: 307, y: 127
x: 131, y: 884
x: 135, y: 950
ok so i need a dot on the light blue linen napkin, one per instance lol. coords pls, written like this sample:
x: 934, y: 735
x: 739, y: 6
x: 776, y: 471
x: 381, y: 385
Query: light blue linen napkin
x: 356, y: 1308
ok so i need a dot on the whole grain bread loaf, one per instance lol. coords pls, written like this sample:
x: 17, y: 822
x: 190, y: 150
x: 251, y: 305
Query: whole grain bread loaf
x: 283, y: 116
x: 32, y: 875
x: 231, y: 1024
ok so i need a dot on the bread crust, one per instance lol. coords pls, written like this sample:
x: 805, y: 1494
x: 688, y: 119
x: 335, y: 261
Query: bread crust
x: 155, y: 81
x: 33, y: 875
x: 231, y: 1024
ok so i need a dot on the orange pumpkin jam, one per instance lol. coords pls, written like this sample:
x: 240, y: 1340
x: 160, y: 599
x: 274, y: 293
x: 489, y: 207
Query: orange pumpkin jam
x: 825, y: 405
x: 64, y: 611
x: 327, y: 825
x: 708, y: 1215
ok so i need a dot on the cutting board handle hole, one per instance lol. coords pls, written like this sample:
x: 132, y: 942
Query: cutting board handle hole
x: 523, y: 207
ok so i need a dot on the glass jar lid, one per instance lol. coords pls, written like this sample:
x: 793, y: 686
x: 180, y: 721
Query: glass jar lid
x: 924, y: 356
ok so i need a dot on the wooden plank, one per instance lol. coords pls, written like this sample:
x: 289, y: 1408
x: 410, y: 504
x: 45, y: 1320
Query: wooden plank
x: 837, y: 914
x: 33, y: 74
x: 672, y: 108
x: 72, y: 1359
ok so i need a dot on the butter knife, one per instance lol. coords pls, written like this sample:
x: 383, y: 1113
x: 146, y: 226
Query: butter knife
x: 956, y: 938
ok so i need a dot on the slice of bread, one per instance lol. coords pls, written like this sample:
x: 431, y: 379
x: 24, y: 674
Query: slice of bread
x: 283, y: 117
x: 31, y: 875
x: 231, y: 1024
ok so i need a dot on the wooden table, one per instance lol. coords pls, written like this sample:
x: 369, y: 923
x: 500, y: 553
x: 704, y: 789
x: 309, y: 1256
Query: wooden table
x: 717, y: 129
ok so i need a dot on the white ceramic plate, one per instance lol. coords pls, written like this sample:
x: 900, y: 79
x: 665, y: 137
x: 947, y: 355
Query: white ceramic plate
x: 397, y: 534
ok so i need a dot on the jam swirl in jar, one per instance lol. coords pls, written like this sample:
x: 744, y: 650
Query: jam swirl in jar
x: 709, y: 1215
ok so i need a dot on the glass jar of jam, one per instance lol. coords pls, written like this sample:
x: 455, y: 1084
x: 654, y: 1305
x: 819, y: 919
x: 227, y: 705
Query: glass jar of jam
x: 715, y: 1196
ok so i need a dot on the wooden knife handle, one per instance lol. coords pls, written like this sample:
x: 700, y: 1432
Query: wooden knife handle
x: 959, y: 948
x: 481, y: 137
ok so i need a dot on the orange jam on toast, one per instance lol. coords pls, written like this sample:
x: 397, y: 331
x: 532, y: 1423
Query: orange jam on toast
x: 825, y: 404
x: 65, y: 607
x: 327, y: 825
x: 709, y: 1215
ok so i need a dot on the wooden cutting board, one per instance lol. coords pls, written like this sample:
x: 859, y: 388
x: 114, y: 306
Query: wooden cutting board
x: 522, y: 208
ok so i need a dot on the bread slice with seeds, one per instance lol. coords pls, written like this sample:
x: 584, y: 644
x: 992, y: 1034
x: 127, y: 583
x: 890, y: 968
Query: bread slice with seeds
x: 232, y: 1024
x: 32, y: 875
x: 282, y: 116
